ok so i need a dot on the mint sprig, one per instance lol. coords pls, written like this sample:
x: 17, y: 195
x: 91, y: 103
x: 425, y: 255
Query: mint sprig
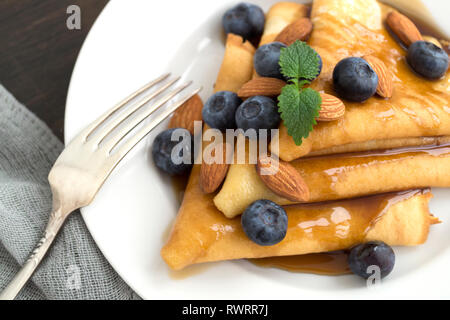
x: 299, y: 107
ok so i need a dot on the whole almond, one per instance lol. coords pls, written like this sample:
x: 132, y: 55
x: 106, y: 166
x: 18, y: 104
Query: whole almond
x: 298, y: 30
x: 261, y: 86
x: 212, y: 173
x: 283, y: 179
x: 403, y: 27
x: 331, y: 109
x: 385, y: 83
x: 186, y: 114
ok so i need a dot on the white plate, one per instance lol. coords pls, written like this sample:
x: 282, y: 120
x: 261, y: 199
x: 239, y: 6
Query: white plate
x: 133, y: 42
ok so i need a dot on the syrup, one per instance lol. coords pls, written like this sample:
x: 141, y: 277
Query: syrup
x: 346, y: 220
x: 327, y: 263
x: 337, y: 217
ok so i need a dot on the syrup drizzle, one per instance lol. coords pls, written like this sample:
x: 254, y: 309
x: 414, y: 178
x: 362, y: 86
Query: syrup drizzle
x: 347, y: 220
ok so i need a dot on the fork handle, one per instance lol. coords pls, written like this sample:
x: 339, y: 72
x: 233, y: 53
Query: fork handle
x: 18, y: 282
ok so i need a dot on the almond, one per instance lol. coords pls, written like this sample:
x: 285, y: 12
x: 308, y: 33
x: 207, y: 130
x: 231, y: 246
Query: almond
x: 385, y: 82
x: 283, y: 179
x: 261, y: 86
x: 432, y: 40
x: 212, y: 173
x: 331, y: 109
x: 186, y: 114
x: 445, y: 45
x: 403, y: 27
x: 298, y: 30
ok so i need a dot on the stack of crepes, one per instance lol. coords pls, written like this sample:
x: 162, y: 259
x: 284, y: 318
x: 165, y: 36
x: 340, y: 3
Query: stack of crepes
x: 380, y: 146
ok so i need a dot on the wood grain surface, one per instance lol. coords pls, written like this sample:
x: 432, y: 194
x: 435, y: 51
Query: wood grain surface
x: 38, y: 52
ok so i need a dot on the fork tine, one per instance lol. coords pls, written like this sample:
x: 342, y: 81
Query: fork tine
x: 111, y: 125
x: 141, y: 117
x: 132, y: 142
x: 94, y: 125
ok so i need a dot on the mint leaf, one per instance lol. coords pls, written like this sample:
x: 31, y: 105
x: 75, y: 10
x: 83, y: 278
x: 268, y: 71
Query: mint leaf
x: 299, y: 107
x: 299, y: 110
x: 299, y: 61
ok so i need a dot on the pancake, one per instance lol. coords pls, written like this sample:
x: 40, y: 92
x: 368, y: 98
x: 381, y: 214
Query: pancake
x: 203, y: 234
x: 382, y: 145
x: 237, y: 64
x: 418, y: 107
x: 342, y: 176
x: 284, y: 13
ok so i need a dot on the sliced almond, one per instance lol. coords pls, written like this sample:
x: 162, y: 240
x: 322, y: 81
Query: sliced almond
x: 445, y: 45
x: 261, y: 86
x: 185, y: 115
x: 331, y: 109
x: 403, y: 27
x: 298, y: 30
x: 283, y: 179
x: 385, y: 82
x: 212, y: 173
x: 433, y: 40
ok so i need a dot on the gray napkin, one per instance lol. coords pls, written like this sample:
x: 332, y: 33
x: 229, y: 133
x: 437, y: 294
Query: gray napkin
x: 74, y: 267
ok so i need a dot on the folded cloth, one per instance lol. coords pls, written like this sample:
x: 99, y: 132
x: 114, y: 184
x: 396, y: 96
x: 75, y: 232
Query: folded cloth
x: 74, y: 267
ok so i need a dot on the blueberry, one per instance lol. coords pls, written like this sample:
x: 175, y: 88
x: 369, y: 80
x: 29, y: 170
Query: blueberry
x: 257, y: 113
x: 371, y: 253
x: 244, y: 19
x: 264, y: 222
x: 354, y: 79
x: 218, y: 111
x: 162, y: 151
x: 427, y: 59
x: 320, y: 66
x: 266, y: 60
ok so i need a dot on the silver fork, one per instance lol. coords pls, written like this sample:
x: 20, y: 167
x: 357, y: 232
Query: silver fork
x: 88, y: 160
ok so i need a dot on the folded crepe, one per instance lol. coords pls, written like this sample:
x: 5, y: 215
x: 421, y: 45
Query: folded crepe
x: 237, y: 64
x: 342, y: 176
x: 202, y: 233
x: 418, y: 107
x: 383, y: 145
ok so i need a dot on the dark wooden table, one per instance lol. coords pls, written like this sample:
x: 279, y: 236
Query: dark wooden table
x: 38, y: 52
